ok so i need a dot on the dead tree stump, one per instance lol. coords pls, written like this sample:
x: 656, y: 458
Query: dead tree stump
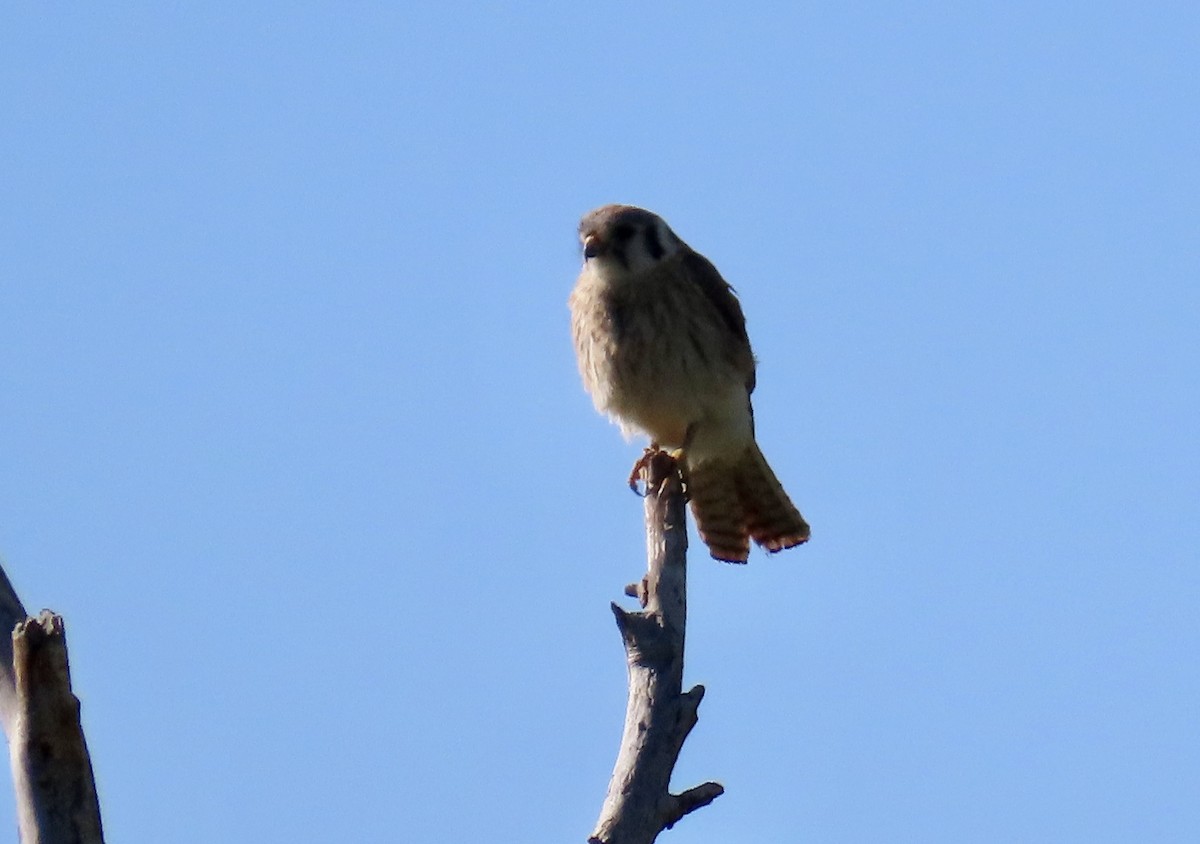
x: 659, y: 715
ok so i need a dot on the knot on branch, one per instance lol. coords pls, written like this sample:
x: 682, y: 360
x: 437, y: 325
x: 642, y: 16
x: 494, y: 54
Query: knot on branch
x: 647, y: 643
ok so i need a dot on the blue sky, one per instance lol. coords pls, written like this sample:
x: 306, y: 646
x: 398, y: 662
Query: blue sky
x: 292, y: 433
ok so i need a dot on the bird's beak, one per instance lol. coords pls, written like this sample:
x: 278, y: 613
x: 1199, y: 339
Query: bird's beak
x: 592, y: 246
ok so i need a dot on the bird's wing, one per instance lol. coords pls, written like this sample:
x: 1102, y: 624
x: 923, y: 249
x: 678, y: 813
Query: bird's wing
x: 723, y: 298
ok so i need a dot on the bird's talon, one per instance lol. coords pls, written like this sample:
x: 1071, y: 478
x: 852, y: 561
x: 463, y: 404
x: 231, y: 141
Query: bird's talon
x: 635, y: 475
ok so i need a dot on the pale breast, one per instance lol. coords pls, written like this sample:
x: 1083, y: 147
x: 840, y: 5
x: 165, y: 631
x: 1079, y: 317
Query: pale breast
x: 654, y: 352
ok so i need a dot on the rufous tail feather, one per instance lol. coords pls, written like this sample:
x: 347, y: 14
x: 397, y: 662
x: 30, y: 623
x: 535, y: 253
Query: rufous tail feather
x: 734, y: 501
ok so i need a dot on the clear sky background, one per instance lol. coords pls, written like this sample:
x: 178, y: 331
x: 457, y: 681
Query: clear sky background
x: 291, y: 432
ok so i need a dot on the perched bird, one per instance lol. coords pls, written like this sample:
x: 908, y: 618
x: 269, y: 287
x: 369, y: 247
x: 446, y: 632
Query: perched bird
x: 663, y: 350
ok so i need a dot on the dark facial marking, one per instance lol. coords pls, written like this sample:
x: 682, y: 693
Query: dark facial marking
x: 622, y: 232
x: 653, y: 244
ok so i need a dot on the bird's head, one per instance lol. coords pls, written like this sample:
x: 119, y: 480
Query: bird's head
x: 626, y: 239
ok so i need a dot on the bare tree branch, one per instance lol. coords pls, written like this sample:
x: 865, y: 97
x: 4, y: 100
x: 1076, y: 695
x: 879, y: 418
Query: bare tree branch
x: 12, y: 612
x: 52, y: 772
x: 659, y: 715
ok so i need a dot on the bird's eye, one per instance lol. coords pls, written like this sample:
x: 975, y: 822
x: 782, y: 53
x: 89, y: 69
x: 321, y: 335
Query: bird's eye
x: 623, y: 232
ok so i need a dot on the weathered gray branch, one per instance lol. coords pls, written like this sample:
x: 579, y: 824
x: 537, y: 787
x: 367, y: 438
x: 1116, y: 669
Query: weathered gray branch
x: 659, y: 715
x: 52, y: 772
x: 12, y: 612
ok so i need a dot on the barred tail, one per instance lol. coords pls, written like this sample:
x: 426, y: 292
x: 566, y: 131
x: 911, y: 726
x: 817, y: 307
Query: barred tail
x: 734, y: 501
x: 772, y: 518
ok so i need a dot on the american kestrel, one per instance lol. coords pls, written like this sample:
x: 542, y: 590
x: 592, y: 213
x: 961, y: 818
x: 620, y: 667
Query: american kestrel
x: 663, y: 350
